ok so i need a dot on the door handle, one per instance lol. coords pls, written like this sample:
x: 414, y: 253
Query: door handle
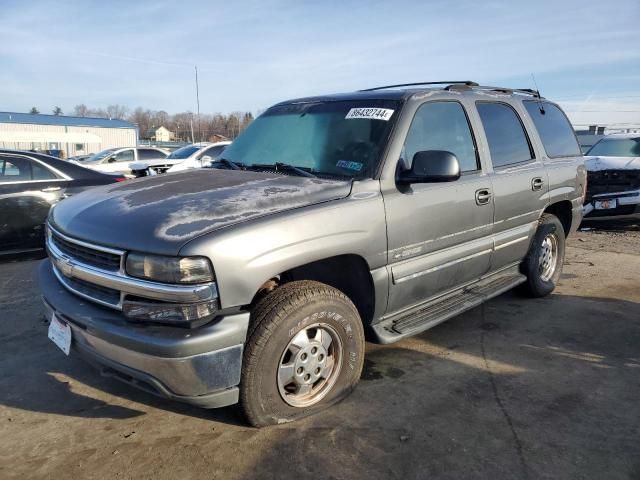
x: 483, y: 196
x: 50, y: 189
x: 537, y: 184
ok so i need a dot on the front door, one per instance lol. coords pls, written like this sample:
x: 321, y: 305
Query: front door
x: 439, y: 234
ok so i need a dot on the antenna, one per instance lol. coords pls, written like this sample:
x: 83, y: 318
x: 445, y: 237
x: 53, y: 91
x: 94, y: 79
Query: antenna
x: 540, y: 106
x: 198, y: 104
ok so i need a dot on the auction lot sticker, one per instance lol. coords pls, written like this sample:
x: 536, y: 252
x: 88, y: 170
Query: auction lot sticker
x: 373, y: 113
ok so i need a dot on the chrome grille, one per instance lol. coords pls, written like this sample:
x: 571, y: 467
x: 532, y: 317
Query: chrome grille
x: 87, y: 255
x: 96, y: 293
x: 611, y: 181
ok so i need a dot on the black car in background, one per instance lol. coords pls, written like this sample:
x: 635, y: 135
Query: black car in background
x: 30, y: 183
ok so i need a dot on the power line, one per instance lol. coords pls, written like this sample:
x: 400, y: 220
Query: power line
x: 602, y: 111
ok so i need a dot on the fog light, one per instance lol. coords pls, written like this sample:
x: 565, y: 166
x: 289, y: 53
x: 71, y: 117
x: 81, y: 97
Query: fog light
x: 173, y: 313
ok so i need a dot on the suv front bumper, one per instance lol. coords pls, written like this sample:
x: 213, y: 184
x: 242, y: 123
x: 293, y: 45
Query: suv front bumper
x: 198, y: 366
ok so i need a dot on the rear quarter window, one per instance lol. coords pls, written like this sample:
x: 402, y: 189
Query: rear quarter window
x: 556, y: 133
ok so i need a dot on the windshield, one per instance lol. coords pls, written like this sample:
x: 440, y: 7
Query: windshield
x: 616, y: 147
x: 97, y: 157
x: 336, y: 139
x: 184, y: 152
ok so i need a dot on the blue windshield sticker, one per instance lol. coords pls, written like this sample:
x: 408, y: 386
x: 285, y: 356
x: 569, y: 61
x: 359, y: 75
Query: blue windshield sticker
x: 357, y: 166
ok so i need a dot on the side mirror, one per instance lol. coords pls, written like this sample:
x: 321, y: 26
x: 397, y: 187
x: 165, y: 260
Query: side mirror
x: 206, y: 159
x: 111, y: 159
x: 431, y: 166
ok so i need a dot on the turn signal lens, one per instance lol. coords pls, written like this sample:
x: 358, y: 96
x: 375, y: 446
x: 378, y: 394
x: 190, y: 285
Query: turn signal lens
x: 170, y: 313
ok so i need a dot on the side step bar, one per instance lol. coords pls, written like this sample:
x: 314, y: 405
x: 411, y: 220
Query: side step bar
x: 430, y: 314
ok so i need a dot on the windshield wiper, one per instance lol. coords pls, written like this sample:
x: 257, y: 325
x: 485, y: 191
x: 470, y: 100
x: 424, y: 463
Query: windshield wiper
x: 286, y: 166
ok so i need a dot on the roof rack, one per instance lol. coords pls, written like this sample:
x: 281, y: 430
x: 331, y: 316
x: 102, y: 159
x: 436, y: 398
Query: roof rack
x: 468, y: 83
x: 462, y: 85
x: 523, y: 91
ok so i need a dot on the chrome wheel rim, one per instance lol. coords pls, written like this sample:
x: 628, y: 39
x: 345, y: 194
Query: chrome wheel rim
x: 548, y: 257
x: 309, y: 365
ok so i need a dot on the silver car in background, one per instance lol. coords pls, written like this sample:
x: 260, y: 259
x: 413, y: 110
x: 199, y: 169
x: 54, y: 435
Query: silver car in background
x: 119, y: 160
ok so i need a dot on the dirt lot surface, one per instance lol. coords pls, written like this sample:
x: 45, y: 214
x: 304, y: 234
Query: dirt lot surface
x: 517, y: 388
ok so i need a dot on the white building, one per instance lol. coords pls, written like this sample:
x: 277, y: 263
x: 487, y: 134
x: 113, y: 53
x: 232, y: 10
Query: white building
x: 160, y: 134
x: 72, y: 135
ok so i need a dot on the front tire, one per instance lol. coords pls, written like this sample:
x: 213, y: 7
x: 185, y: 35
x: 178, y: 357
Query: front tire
x: 543, y: 264
x: 304, y: 352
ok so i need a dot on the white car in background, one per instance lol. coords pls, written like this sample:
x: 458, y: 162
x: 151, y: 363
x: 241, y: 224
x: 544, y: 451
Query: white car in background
x: 613, y: 178
x: 118, y: 160
x: 196, y: 155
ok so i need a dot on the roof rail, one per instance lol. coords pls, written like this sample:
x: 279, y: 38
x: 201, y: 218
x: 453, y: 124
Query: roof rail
x: 523, y: 91
x: 468, y: 83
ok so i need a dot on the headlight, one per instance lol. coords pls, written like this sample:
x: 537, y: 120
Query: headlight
x: 169, y: 269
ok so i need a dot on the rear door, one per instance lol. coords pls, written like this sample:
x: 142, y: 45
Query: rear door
x: 519, y: 181
x: 28, y: 188
x: 438, y: 233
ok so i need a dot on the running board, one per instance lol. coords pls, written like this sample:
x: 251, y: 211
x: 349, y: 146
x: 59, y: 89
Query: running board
x: 429, y: 315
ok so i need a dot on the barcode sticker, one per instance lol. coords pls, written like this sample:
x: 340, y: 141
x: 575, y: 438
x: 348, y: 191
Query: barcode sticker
x: 373, y: 113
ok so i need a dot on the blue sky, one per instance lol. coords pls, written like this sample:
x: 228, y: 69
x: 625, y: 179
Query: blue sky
x: 250, y: 54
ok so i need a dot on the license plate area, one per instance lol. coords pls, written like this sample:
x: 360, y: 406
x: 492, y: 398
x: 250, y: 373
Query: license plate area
x: 606, y: 204
x: 60, y: 334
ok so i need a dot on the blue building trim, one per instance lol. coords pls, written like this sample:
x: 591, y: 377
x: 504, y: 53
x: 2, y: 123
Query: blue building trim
x: 62, y: 120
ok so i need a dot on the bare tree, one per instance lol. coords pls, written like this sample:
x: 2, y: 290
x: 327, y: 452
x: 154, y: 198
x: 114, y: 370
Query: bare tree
x: 214, y: 125
x: 142, y: 118
x: 117, y: 111
x: 81, y: 110
x: 57, y: 110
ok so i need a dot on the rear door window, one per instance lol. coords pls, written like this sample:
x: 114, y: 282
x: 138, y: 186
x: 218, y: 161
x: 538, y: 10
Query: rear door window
x: 214, y: 152
x: 149, y: 154
x: 508, y: 141
x: 41, y: 173
x: 554, y: 129
x: 123, y: 156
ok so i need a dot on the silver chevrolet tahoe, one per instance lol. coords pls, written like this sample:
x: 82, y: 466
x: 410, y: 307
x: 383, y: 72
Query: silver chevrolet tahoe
x: 379, y: 213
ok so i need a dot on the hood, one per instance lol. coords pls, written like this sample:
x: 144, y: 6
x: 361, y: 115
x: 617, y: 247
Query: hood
x: 595, y: 164
x: 159, y: 214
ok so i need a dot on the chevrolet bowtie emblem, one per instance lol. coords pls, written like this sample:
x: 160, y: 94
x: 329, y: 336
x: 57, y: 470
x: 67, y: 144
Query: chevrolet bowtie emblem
x: 65, y: 266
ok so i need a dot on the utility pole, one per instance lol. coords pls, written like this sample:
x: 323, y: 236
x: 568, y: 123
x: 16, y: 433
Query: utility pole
x: 198, y: 105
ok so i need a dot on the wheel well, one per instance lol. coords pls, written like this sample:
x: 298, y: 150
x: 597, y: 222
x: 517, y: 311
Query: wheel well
x: 348, y: 273
x: 562, y: 210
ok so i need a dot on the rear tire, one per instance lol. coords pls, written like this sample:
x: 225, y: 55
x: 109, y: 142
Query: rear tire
x: 543, y: 264
x: 304, y: 352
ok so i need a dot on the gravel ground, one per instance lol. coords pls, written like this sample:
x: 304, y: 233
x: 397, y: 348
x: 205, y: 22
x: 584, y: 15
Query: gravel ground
x: 516, y: 388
